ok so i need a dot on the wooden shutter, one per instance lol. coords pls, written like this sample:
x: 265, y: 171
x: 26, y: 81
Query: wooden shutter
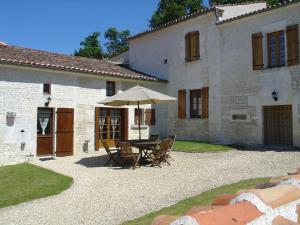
x: 188, y: 47
x: 257, y: 51
x: 205, y: 100
x: 292, y: 45
x: 195, y: 45
x: 181, y: 104
x: 150, y: 116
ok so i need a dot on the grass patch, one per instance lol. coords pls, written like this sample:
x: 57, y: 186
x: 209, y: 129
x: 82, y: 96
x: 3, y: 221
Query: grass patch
x: 25, y: 182
x: 198, y: 147
x: 202, y: 199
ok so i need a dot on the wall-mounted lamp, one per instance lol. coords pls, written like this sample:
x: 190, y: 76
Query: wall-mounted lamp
x: 275, y: 95
x: 48, y: 101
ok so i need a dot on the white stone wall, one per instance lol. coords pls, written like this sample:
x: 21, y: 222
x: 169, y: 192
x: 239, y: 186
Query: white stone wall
x: 21, y: 91
x: 148, y: 53
x: 247, y: 91
x: 225, y: 66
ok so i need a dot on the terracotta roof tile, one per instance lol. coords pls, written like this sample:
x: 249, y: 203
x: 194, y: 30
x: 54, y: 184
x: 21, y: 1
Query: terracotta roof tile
x: 49, y: 60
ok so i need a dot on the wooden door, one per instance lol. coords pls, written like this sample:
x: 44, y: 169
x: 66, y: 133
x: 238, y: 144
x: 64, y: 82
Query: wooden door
x: 65, y: 132
x: 110, y: 125
x: 44, y: 131
x: 278, y: 125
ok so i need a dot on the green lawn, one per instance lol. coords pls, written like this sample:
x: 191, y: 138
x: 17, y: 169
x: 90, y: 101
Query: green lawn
x: 25, y: 182
x: 198, y: 147
x: 203, y: 199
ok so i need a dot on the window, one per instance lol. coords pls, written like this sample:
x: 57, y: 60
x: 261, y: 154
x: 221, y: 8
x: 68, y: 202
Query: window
x: 276, y: 49
x: 195, y: 103
x: 110, y: 88
x: 192, y: 51
x: 47, y: 89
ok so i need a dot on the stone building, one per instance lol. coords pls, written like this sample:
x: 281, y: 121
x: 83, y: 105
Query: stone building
x: 245, y: 57
x: 234, y: 68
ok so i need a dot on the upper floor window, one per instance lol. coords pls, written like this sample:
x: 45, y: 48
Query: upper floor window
x: 276, y: 49
x: 192, y: 47
x: 110, y: 88
x: 47, y: 89
x: 283, y: 48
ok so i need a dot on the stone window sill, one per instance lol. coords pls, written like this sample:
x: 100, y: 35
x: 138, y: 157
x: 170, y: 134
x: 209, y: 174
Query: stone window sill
x: 136, y: 127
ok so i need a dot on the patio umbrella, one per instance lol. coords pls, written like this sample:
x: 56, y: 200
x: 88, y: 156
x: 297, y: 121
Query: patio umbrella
x: 137, y: 96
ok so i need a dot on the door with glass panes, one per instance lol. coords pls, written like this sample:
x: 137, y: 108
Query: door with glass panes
x: 110, y: 125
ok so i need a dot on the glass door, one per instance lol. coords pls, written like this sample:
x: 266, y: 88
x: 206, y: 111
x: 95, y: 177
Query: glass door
x: 108, y: 126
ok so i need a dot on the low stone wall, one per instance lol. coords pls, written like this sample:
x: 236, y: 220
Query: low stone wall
x: 273, y: 203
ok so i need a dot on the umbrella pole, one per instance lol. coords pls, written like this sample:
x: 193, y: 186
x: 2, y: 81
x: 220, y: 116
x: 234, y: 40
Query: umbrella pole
x: 139, y: 120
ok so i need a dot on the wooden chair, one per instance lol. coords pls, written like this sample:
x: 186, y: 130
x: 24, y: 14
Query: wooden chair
x: 113, y: 157
x: 171, y: 145
x: 159, y: 155
x: 126, y: 154
x: 154, y: 137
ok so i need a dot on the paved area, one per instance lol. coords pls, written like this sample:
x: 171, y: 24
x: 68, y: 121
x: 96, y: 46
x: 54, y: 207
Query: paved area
x: 108, y: 196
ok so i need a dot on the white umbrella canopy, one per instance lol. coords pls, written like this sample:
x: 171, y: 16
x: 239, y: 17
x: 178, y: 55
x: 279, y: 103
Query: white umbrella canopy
x: 137, y: 96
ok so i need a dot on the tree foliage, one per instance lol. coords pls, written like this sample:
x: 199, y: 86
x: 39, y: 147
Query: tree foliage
x: 116, y: 41
x: 90, y: 47
x: 168, y: 10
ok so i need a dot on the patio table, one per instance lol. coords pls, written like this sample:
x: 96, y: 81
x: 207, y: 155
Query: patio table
x: 144, y: 146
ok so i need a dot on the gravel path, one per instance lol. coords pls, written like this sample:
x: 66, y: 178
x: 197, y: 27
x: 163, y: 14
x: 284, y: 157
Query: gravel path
x: 108, y: 196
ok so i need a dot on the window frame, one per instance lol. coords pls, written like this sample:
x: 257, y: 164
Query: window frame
x: 277, y: 48
x: 193, y: 113
x: 108, y: 83
x: 47, y: 89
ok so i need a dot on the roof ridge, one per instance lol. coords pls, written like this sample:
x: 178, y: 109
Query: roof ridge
x: 210, y: 9
x: 241, y: 3
x: 173, y: 22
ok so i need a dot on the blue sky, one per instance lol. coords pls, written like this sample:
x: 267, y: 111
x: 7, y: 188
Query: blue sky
x: 60, y: 25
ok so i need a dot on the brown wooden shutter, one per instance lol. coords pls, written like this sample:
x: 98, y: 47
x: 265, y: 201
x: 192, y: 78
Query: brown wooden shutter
x: 257, y: 51
x: 137, y: 113
x: 150, y: 116
x: 292, y: 36
x: 195, y: 45
x: 187, y: 47
x: 205, y: 100
x: 181, y: 104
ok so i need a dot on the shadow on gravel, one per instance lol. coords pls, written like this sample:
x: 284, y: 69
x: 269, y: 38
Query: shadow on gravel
x: 264, y: 148
x: 91, y: 162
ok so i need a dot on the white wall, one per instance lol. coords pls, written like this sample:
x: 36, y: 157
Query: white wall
x: 148, y: 53
x: 21, y: 91
x: 225, y: 66
x: 243, y: 89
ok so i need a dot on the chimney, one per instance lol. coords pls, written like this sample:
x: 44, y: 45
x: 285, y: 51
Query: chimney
x: 2, y: 43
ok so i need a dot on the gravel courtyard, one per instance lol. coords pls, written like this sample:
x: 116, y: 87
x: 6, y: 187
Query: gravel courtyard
x: 108, y: 196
